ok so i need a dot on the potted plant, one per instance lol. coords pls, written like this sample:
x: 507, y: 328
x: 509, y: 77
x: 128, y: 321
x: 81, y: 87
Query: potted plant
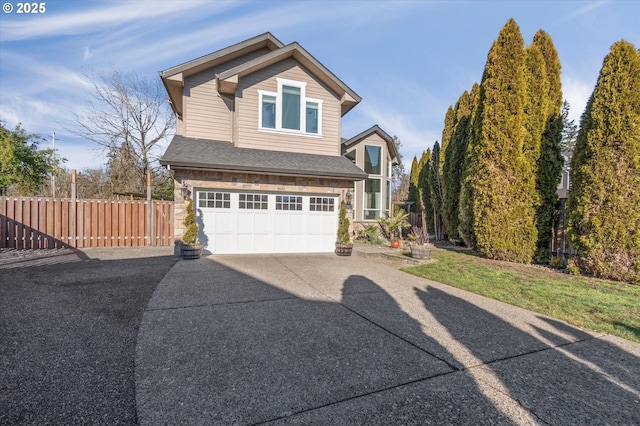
x: 344, y: 246
x: 393, y: 226
x: 189, y: 247
x: 420, y: 247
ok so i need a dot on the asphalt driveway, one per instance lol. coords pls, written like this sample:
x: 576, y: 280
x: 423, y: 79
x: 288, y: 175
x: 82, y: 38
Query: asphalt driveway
x: 69, y: 322
x: 321, y: 339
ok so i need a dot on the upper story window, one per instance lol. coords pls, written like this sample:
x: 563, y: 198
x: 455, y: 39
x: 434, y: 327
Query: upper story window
x: 372, y: 160
x: 289, y: 110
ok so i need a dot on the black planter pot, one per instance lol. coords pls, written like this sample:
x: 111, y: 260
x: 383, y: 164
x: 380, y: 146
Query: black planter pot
x: 190, y: 251
x: 344, y: 250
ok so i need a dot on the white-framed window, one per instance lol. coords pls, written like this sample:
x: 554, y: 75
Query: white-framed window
x: 253, y: 201
x: 215, y: 200
x: 288, y: 202
x: 388, y: 195
x: 289, y: 110
x: 372, y: 198
x: 321, y: 204
x: 373, y: 159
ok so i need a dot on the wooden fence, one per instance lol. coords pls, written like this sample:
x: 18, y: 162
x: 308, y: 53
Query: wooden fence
x: 37, y: 223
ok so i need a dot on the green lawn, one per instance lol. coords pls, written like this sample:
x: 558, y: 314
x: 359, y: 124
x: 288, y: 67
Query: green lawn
x: 598, y: 305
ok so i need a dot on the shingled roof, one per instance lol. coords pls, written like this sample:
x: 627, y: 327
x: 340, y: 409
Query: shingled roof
x: 206, y: 154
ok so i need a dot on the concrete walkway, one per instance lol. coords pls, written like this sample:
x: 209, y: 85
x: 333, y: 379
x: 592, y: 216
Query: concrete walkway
x: 322, y: 339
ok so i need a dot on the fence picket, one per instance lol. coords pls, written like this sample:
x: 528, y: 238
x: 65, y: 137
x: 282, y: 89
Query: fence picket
x: 38, y: 223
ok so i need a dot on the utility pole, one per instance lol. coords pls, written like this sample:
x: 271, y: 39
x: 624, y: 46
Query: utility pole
x: 53, y: 157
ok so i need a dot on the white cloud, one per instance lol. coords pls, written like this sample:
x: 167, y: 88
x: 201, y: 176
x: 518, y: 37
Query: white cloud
x: 583, y: 10
x: 577, y: 93
x: 103, y: 17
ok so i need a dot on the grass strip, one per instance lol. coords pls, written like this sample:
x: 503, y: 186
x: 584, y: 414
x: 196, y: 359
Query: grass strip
x: 598, y: 305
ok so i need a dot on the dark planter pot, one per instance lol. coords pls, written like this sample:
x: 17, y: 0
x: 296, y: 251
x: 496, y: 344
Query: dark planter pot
x: 190, y: 251
x: 344, y: 250
x: 422, y: 252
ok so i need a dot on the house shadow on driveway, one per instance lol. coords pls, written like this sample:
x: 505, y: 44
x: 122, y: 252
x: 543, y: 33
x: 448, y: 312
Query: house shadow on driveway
x: 318, y: 339
x: 68, y: 326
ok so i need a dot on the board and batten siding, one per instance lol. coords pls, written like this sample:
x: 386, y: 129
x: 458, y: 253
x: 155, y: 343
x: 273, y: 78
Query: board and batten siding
x: 207, y: 114
x: 248, y: 104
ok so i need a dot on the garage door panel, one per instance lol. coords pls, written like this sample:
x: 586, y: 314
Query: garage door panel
x: 298, y: 225
x: 245, y: 223
x: 263, y: 223
x: 261, y: 228
x: 224, y: 222
x: 281, y: 223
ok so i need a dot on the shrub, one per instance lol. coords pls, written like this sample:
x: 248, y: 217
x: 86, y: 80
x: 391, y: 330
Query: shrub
x: 191, y: 234
x: 343, y: 227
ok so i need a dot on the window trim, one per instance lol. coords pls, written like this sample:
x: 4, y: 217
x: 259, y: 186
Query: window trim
x: 279, y: 105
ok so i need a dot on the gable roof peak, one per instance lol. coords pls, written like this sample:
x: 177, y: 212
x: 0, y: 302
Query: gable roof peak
x: 391, y: 146
x: 264, y: 40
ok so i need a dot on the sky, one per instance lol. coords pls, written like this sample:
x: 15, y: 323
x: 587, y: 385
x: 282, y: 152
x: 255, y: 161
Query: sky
x: 408, y: 60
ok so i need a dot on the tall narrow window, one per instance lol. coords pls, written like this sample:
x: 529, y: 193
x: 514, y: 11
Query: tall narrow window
x: 372, y: 197
x: 312, y: 117
x: 372, y: 164
x: 291, y: 107
x: 268, y: 112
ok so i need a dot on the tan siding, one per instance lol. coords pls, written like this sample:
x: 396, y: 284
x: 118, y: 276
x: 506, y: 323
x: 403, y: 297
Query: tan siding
x: 248, y: 135
x: 180, y: 127
x: 207, y: 115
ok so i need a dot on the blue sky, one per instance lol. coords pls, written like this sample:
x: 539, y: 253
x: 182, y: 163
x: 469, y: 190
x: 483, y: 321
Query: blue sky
x: 408, y: 60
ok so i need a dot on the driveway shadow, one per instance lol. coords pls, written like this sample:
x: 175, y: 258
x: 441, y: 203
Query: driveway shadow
x: 68, y: 329
x: 590, y: 381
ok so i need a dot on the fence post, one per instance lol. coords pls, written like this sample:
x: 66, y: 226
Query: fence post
x: 73, y: 208
x: 150, y: 210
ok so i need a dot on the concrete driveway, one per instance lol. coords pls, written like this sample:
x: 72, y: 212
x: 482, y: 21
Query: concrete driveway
x: 321, y: 339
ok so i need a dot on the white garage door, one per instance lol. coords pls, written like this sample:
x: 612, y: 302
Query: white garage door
x: 254, y: 222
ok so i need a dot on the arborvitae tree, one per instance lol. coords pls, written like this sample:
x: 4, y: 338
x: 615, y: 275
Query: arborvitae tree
x: 453, y: 163
x: 535, y: 121
x: 447, y: 134
x: 465, y: 201
x: 604, y: 200
x: 424, y: 192
x: 414, y: 195
x: 435, y: 192
x: 503, y: 212
x: 550, y: 161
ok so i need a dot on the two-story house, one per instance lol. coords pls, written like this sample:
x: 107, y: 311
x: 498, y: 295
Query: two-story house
x: 258, y: 146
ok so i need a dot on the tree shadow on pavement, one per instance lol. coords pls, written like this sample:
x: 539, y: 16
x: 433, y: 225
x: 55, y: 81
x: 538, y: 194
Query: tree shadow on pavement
x: 587, y: 382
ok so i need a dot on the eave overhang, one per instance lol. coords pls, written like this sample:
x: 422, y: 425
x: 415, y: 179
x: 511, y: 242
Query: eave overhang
x: 201, y: 154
